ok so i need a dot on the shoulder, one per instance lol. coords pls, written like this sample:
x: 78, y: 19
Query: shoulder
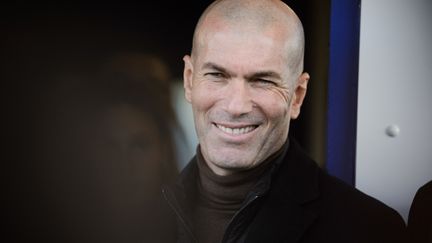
x: 356, y: 212
x: 422, y: 198
x: 335, y: 196
x: 347, y: 198
x: 420, y: 215
x: 342, y: 211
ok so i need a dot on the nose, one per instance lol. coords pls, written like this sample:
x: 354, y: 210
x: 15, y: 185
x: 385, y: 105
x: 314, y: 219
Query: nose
x: 238, y: 98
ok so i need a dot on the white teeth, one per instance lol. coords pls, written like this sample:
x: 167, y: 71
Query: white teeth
x: 236, y: 131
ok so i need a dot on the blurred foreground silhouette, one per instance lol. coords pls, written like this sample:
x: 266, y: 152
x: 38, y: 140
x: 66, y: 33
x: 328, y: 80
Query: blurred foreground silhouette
x: 98, y: 149
x: 87, y: 119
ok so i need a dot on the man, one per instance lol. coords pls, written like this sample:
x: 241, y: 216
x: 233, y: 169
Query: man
x: 248, y: 182
x: 420, y: 215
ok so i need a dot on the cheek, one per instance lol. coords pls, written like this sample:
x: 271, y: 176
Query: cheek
x: 274, y: 104
x: 204, y: 96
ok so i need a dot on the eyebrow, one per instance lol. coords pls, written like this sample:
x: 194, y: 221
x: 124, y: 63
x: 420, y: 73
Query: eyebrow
x: 210, y: 65
x: 260, y: 74
x: 264, y: 74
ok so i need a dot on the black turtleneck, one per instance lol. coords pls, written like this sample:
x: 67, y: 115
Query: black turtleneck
x: 219, y: 197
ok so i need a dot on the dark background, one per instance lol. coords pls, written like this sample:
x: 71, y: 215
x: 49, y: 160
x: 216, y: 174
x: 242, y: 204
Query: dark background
x: 71, y: 32
x: 40, y: 41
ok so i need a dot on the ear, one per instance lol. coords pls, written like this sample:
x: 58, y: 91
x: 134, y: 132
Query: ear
x: 299, y: 94
x: 187, y: 77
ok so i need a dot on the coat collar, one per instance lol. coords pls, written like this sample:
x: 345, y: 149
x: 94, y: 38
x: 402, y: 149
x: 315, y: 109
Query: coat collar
x: 287, y: 188
x: 284, y: 216
x: 297, y: 178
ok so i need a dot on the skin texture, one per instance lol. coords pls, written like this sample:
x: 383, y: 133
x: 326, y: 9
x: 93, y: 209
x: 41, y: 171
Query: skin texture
x: 244, y: 80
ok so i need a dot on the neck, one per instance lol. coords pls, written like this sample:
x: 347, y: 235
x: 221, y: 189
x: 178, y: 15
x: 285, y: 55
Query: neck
x: 228, y: 191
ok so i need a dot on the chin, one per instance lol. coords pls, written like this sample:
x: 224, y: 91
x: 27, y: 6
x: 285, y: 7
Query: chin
x: 235, y: 161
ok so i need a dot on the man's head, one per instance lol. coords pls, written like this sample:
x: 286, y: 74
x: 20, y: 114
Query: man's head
x: 244, y: 80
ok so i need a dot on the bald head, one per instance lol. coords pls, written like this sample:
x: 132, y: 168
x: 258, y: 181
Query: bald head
x: 254, y: 17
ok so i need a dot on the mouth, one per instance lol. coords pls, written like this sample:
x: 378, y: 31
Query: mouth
x: 238, y: 130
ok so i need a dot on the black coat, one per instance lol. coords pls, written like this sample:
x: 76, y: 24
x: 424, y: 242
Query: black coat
x: 295, y: 201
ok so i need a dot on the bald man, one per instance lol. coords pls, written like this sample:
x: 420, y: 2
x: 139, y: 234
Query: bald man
x: 248, y: 181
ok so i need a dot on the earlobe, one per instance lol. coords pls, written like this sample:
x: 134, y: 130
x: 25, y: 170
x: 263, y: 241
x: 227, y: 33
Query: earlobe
x: 299, y: 94
x: 187, y: 77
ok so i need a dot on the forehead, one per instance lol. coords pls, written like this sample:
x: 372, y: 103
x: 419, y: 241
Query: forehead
x: 243, y: 49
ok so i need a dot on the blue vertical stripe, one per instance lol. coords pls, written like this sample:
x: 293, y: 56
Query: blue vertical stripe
x: 342, y: 89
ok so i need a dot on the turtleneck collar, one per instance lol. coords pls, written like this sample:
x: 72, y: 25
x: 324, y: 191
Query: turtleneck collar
x: 228, y: 192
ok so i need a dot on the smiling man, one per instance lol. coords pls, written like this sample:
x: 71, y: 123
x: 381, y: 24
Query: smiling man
x: 248, y: 181
x: 242, y: 91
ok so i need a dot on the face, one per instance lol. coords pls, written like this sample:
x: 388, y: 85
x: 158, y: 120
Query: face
x: 239, y: 88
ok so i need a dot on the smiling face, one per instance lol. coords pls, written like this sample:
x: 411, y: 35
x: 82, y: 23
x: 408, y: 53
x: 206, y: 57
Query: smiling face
x: 243, y: 96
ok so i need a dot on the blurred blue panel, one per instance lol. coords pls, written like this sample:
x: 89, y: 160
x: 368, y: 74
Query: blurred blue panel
x: 342, y: 89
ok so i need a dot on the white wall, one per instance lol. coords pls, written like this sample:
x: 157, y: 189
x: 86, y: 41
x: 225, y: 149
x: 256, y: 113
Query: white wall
x: 395, y: 87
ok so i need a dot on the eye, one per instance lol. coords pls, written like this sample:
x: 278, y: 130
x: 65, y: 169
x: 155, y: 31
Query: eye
x: 215, y: 74
x: 216, y: 77
x: 266, y: 82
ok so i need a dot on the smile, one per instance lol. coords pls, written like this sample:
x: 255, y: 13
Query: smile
x: 236, y: 130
